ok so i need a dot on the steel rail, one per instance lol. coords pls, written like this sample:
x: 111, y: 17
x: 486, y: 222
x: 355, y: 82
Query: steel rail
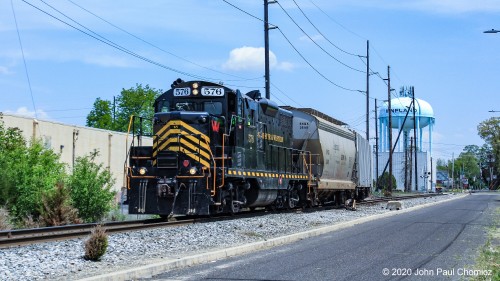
x: 20, y: 237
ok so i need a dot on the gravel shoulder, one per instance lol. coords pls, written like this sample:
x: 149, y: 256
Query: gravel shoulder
x: 64, y: 260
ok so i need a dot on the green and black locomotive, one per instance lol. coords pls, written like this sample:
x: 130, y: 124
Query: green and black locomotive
x: 217, y: 150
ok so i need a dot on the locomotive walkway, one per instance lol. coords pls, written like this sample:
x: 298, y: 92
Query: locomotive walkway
x: 176, y: 263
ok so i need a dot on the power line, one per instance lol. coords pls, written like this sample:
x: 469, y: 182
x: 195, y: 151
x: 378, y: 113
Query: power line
x: 340, y: 49
x: 24, y: 59
x: 338, y: 23
x: 279, y: 90
x: 161, y: 49
x: 114, y: 45
x: 296, y: 50
x: 315, y: 69
x: 356, y: 34
x: 243, y: 11
x: 312, y: 40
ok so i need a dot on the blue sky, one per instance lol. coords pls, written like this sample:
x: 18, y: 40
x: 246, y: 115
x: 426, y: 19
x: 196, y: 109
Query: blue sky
x: 437, y: 46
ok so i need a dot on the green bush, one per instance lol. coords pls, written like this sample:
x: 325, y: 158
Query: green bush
x: 383, y: 182
x: 97, y: 244
x: 12, y: 144
x: 28, y: 171
x: 57, y: 209
x: 90, y: 189
x: 38, y: 171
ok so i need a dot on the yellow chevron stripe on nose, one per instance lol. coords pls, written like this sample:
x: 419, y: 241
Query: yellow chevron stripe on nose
x: 186, y: 132
x: 190, y: 155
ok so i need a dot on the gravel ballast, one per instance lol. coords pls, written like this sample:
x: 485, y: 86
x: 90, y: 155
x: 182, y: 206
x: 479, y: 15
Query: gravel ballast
x: 64, y: 260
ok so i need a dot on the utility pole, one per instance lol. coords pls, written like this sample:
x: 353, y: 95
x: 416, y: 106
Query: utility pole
x: 411, y: 163
x: 376, y: 147
x: 415, y: 135
x: 452, y: 170
x: 368, y: 91
x: 114, y: 112
x: 406, y: 166
x: 390, y: 125
x: 432, y: 179
x: 266, y: 46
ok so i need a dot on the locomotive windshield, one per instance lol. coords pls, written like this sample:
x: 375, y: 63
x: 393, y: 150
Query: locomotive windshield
x: 185, y: 106
x: 211, y: 107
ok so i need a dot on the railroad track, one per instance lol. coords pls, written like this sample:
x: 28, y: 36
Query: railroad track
x: 20, y: 237
x: 374, y: 200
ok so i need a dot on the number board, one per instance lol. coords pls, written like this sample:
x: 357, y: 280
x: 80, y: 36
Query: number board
x: 182, y: 92
x: 212, y: 91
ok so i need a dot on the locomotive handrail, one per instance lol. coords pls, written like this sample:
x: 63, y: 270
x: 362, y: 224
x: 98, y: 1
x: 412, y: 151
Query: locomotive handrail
x: 128, y: 149
x: 223, y: 164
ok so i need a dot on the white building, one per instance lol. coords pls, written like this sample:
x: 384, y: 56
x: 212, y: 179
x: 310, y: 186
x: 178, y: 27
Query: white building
x: 72, y: 141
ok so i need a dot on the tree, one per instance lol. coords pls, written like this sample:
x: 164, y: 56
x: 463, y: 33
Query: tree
x: 442, y: 164
x: 91, y: 189
x: 489, y: 130
x: 136, y: 101
x: 101, y: 115
x: 468, y: 165
x: 383, y: 181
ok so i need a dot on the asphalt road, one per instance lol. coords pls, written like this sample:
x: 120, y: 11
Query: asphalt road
x: 435, y: 243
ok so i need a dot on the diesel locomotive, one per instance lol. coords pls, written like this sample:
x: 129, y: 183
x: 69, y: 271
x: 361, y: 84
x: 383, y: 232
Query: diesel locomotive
x: 215, y: 149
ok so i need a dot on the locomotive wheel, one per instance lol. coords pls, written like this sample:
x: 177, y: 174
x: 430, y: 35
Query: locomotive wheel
x: 235, y: 207
x: 292, y: 199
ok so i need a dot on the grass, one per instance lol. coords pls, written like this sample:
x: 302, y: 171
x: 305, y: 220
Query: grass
x: 252, y: 234
x: 489, y: 254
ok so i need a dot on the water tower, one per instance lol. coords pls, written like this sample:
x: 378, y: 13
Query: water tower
x: 405, y: 117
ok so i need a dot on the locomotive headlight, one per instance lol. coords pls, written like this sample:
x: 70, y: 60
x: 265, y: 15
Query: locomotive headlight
x: 195, y: 92
x: 195, y: 85
x: 142, y: 171
x: 193, y: 171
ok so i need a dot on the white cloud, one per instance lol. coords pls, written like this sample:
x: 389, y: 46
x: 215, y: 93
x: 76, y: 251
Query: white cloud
x: 252, y: 58
x: 23, y: 111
